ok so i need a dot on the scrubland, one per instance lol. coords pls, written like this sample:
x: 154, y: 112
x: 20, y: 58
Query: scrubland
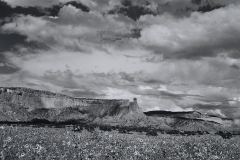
x: 29, y: 143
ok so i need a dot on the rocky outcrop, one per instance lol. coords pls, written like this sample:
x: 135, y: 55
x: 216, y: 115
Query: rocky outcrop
x: 26, y: 105
x: 23, y: 104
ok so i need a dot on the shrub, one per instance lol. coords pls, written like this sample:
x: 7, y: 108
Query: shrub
x: 77, y: 128
x: 105, y: 128
x: 151, y: 133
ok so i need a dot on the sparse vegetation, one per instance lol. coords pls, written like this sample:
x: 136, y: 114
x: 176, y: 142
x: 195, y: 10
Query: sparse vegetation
x: 151, y: 133
x: 224, y: 135
x: 57, y: 143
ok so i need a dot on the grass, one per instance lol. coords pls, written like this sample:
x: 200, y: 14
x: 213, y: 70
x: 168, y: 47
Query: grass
x: 28, y: 143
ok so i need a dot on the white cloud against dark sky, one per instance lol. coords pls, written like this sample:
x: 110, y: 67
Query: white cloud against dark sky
x: 171, y: 55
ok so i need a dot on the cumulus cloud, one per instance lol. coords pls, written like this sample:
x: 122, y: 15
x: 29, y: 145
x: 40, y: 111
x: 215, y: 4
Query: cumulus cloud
x: 161, y: 104
x: 216, y: 112
x: 80, y: 32
x: 175, y: 59
x: 197, y: 36
x: 12, y: 9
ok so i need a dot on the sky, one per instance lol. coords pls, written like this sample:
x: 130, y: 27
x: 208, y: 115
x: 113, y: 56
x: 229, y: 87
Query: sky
x: 171, y: 55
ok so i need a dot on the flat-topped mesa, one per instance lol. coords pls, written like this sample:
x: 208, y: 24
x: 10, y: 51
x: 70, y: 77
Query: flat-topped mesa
x: 44, y: 99
x: 24, y: 105
x: 57, y: 107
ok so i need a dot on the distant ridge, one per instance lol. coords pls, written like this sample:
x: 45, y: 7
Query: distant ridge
x: 162, y: 113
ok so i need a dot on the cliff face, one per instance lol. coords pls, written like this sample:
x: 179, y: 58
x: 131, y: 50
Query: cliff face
x: 32, y: 99
x: 24, y: 105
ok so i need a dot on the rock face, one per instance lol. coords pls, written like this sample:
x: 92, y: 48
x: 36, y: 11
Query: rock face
x: 193, y: 121
x: 23, y: 104
x: 26, y: 105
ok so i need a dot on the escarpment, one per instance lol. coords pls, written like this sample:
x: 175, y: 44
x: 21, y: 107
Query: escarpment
x: 23, y: 104
x: 27, y: 105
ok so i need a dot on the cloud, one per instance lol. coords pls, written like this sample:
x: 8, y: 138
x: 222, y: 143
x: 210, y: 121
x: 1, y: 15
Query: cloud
x: 236, y: 114
x: 35, y: 8
x: 133, y: 11
x: 82, y: 93
x: 176, y: 60
x: 145, y: 87
x: 99, y: 5
x: 160, y: 104
x: 8, y: 41
x: 186, y: 7
x: 81, y: 32
x: 216, y: 112
x: 113, y: 85
x: 137, y: 8
x: 7, y: 69
x: 208, y: 71
x: 28, y: 3
x: 173, y: 38
x: 97, y: 85
x: 235, y: 66
x: 184, y: 83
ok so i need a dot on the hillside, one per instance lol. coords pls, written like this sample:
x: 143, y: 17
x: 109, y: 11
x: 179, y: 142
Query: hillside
x: 25, y: 105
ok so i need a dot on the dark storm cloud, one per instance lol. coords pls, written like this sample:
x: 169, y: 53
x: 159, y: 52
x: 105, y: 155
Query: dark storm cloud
x: 78, y: 5
x: 8, y: 41
x: 5, y: 69
x: 234, y: 54
x: 13, y: 42
x: 83, y: 32
x: 113, y: 37
x: 153, y: 81
x: 131, y: 10
x: 8, y: 11
x: 187, y: 45
x: 184, y: 8
x: 136, y: 9
x: 209, y: 8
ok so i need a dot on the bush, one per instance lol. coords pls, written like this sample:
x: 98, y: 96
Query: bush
x: 151, y: 133
x: 77, y: 128
x: 105, y: 128
x: 89, y: 128
x: 225, y: 135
